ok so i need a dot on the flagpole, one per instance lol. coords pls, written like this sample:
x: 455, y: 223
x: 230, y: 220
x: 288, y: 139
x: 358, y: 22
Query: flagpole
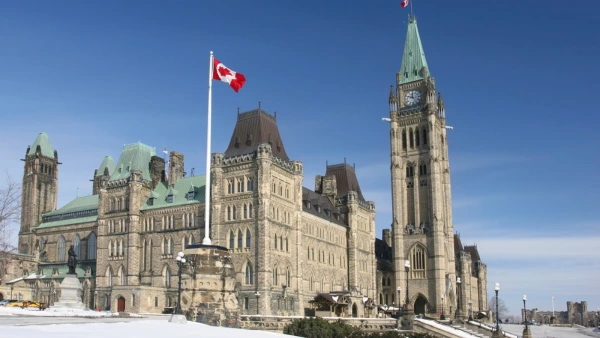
x: 206, y: 240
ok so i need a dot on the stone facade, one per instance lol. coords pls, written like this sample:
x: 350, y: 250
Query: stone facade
x: 577, y: 313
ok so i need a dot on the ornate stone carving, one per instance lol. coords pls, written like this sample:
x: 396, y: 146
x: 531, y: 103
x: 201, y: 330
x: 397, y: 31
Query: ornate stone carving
x: 422, y: 228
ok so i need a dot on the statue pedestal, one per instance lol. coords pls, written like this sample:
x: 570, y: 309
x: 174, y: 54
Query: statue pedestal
x: 406, y: 321
x: 526, y: 333
x: 70, y: 294
x: 178, y: 319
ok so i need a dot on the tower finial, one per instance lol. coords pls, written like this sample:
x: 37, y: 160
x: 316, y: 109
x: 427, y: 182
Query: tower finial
x: 275, y: 115
x: 259, y: 105
x: 238, y: 111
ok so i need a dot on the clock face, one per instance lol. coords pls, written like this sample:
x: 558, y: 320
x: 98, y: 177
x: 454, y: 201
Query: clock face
x: 411, y: 98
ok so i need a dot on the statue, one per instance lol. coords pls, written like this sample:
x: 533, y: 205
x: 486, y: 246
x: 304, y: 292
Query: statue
x: 72, y: 262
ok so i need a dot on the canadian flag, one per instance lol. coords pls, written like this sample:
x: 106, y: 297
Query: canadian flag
x: 404, y: 3
x: 220, y: 72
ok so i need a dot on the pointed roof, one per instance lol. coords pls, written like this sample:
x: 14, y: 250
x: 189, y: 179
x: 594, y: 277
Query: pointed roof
x: 413, y: 58
x: 43, y: 141
x: 345, y: 179
x: 135, y: 156
x: 106, y: 163
x: 253, y: 128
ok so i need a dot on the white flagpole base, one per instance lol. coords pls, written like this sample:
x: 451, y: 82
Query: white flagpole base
x: 206, y: 241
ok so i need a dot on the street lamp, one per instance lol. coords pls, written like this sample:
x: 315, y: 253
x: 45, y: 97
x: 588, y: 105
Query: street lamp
x: 525, y: 311
x: 470, y: 310
x: 407, y: 268
x: 497, y: 332
x: 399, y: 291
x: 257, y: 294
x: 180, y: 262
x: 458, y: 298
x: 443, y: 317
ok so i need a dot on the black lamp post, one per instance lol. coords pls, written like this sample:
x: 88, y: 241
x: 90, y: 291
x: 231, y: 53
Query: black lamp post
x: 525, y: 311
x: 497, y: 332
x: 180, y: 262
x: 443, y: 317
x: 458, y: 298
x: 406, y: 269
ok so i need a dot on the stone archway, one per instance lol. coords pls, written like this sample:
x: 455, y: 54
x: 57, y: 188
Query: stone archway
x: 1, y: 296
x: 354, y: 310
x: 420, y: 304
x: 121, y: 304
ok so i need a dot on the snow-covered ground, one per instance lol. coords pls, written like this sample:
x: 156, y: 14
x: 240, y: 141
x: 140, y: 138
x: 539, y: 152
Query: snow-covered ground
x: 545, y: 331
x: 140, y: 328
x: 52, y: 312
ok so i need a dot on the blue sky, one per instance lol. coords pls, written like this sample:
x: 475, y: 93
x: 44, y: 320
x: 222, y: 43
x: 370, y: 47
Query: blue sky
x: 519, y: 83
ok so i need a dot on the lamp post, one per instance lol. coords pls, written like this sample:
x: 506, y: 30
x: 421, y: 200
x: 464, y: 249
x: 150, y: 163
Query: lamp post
x: 399, y: 291
x: 526, y: 332
x: 458, y: 298
x: 443, y: 317
x: 470, y: 310
x: 257, y: 294
x: 497, y: 332
x: 180, y: 261
x: 406, y: 269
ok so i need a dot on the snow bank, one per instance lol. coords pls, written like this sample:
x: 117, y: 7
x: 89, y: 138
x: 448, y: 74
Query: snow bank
x: 141, y: 329
x: 51, y: 312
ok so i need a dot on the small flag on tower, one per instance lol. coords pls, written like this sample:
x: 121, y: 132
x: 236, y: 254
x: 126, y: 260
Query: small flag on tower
x: 220, y: 72
x: 404, y: 3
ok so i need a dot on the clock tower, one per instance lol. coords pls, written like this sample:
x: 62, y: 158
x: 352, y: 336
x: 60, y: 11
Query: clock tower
x: 422, y: 209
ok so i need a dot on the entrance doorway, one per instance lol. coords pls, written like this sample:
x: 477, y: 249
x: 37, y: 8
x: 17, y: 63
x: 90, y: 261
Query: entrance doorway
x: 420, y: 304
x: 354, y: 310
x: 1, y: 296
x: 121, y: 304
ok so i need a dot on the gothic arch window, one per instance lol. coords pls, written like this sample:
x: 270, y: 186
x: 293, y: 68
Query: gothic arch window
x: 165, y: 246
x: 380, y: 299
x: 240, y: 185
x: 410, y: 171
x: 91, y: 246
x: 281, y: 242
x: 250, y: 211
x: 418, y: 262
x: 234, y: 212
x: 287, y: 247
x: 389, y: 282
x: 250, y: 184
x: 229, y: 187
x: 311, y: 283
x: 288, y: 277
x: 231, y: 239
x: 308, y: 256
x: 77, y: 246
x: 403, y: 139
x: 228, y: 213
x: 275, y: 241
x: 249, y: 275
x: 424, y: 136
x: 240, y: 239
x: 62, y: 255
x: 248, y: 238
x: 171, y: 249
x: 383, y: 281
x: 422, y: 169
x: 122, y: 248
x: 442, y: 137
x: 245, y: 211
x: 122, y: 276
x: 166, y: 277
x: 109, y: 276
x: 411, y: 140
x: 275, y: 276
x: 417, y: 137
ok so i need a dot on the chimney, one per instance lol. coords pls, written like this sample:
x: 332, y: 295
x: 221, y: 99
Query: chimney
x: 175, y: 167
x: 387, y: 237
x: 157, y: 170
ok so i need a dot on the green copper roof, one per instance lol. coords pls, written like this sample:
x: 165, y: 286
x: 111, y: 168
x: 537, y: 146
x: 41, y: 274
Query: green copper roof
x: 106, y: 163
x: 134, y: 156
x: 413, y: 59
x: 70, y: 221
x: 179, y: 192
x: 44, y: 142
x: 78, y: 204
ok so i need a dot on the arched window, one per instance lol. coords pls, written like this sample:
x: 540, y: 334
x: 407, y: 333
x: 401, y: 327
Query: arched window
x: 122, y: 276
x: 248, y: 238
x: 171, y: 249
x: 380, y: 299
x: 245, y: 211
x: 418, y: 262
x: 122, y: 248
x: 167, y: 277
x: 281, y: 243
x: 165, y: 246
x: 411, y: 140
x: 62, y: 254
x: 250, y: 184
x: 91, y: 246
x: 230, y: 187
x: 386, y: 298
x: 287, y: 247
x: 110, y: 249
x: 417, y: 137
x: 275, y: 241
x: 308, y: 257
x: 424, y: 136
x: 249, y: 276
x: 231, y: 239
x: 109, y: 276
x: 442, y: 137
x: 389, y: 282
x: 383, y: 281
x: 234, y: 216
x: 250, y: 211
x: 228, y: 213
x: 240, y: 238
x: 310, y: 283
x: 275, y: 276
x: 404, y: 139
x: 288, y: 277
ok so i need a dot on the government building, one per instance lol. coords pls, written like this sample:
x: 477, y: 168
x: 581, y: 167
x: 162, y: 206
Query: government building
x: 296, y: 250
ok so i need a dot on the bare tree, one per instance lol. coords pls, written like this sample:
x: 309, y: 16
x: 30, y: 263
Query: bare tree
x: 10, y: 213
x: 502, y: 309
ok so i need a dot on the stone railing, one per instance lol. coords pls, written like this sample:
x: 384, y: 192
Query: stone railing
x: 277, y: 323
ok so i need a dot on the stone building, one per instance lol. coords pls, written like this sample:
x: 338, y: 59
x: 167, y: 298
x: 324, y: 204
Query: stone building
x: 288, y: 243
x: 577, y: 313
x: 422, y: 228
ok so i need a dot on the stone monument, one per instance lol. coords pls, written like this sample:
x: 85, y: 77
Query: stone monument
x: 70, y: 287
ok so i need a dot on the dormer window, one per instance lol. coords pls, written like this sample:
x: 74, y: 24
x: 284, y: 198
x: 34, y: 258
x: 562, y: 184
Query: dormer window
x: 151, y: 201
x: 170, y: 198
x: 328, y: 212
x: 308, y: 204
x: 318, y: 208
x: 190, y: 195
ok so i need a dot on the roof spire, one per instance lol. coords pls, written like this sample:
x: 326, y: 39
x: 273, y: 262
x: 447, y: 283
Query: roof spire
x: 258, y: 105
x: 413, y: 58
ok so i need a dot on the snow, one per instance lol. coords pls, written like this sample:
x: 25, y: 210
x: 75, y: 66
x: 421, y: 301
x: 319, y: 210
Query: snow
x: 550, y: 331
x: 50, y: 312
x: 446, y: 328
x: 139, y: 328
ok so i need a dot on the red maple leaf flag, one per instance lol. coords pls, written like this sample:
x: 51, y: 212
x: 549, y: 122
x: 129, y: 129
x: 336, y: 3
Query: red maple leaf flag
x: 404, y: 3
x: 220, y: 72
